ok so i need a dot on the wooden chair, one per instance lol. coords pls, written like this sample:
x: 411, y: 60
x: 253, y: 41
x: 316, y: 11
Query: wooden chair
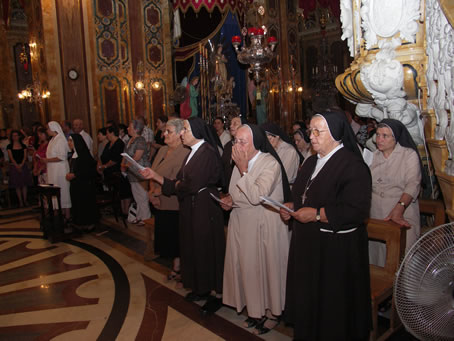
x: 112, y: 197
x: 382, y: 278
x: 435, y: 207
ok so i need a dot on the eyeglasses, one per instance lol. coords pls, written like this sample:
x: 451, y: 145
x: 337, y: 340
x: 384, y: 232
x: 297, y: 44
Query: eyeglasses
x: 316, y: 132
x: 385, y: 136
x: 240, y: 142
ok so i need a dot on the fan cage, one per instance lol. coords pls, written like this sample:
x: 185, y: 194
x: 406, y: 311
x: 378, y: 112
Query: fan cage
x: 424, y: 286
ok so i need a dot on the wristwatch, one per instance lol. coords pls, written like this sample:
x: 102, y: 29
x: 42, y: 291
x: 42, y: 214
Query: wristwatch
x: 401, y: 203
x: 317, y: 215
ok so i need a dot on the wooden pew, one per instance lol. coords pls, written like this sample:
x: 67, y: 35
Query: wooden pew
x: 382, y: 278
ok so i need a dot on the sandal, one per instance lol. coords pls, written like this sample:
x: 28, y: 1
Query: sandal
x: 174, y: 275
x: 250, y: 322
x: 260, y: 328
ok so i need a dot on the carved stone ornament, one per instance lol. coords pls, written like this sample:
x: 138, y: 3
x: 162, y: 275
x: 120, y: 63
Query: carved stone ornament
x: 384, y: 78
x: 351, y: 24
x: 440, y: 75
x: 385, y: 18
x: 347, y: 24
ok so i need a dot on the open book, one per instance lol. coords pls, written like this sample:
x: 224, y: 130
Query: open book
x: 133, y: 163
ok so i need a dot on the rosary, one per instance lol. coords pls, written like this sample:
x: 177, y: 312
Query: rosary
x: 308, y: 185
x: 306, y: 188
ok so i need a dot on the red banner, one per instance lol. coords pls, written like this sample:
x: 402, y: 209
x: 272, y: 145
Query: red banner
x: 223, y: 5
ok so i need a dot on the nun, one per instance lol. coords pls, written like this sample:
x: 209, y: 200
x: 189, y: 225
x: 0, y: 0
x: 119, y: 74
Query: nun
x: 287, y: 151
x: 82, y: 178
x: 328, y: 288
x: 58, y: 166
x: 202, y: 238
x: 258, y: 239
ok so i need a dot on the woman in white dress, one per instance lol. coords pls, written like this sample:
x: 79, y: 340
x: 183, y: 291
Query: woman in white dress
x: 58, y: 166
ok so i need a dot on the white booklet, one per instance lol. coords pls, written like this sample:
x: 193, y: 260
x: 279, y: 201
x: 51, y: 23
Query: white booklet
x: 134, y: 164
x: 219, y: 200
x: 368, y: 156
x: 275, y: 203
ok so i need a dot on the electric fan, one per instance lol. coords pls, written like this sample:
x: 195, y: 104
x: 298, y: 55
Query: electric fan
x: 424, y: 286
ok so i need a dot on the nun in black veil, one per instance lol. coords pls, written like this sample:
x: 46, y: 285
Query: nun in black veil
x: 202, y: 238
x: 328, y: 288
x: 82, y: 179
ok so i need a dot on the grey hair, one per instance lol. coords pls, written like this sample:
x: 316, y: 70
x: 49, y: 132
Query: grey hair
x: 177, y: 123
x: 384, y: 125
x: 138, y: 126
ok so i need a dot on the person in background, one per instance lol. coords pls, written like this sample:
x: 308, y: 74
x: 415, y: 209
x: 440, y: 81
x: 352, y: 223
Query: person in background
x: 148, y: 135
x: 159, y: 136
x: 57, y: 165
x: 78, y: 128
x: 328, y: 285
x: 66, y: 127
x: 168, y: 162
x: 4, y: 142
x: 82, y: 178
x: 109, y: 165
x: 39, y: 167
x: 303, y: 142
x: 102, y: 141
x: 19, y: 174
x: 283, y: 144
x: 396, y: 181
x: 224, y: 135
x: 138, y: 150
x: 123, y: 133
x: 202, y: 238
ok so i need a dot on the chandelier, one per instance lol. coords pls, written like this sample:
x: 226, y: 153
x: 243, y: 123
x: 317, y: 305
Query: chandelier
x: 33, y: 93
x: 258, y: 53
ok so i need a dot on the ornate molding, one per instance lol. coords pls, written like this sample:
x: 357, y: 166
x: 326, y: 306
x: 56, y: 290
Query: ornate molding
x: 385, y: 18
x: 384, y: 78
x: 440, y: 74
x: 346, y: 18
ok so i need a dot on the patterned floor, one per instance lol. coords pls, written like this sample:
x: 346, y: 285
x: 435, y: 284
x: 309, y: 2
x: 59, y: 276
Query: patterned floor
x: 95, y: 288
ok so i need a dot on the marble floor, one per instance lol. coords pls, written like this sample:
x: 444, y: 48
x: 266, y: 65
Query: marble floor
x: 97, y: 287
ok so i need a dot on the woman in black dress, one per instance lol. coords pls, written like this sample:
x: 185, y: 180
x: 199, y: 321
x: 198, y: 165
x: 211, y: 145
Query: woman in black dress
x: 110, y: 163
x: 202, y: 238
x: 19, y: 174
x: 82, y: 178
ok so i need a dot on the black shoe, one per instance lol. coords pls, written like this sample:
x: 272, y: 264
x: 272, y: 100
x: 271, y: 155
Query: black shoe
x: 193, y: 297
x: 211, y: 306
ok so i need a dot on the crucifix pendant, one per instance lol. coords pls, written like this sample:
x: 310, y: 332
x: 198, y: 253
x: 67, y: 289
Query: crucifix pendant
x: 304, y: 197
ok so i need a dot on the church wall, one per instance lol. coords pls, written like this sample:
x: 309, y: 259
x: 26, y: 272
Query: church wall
x: 103, y: 41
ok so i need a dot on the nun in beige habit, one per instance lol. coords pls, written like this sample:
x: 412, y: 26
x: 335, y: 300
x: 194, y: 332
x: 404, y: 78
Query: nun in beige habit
x: 258, y: 240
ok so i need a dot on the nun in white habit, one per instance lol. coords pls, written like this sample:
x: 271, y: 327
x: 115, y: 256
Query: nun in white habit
x: 57, y: 165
